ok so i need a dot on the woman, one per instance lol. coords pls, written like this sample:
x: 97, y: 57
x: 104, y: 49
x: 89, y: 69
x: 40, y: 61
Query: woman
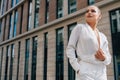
x: 91, y: 47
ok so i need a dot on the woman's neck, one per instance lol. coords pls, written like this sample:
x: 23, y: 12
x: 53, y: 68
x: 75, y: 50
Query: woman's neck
x: 93, y: 25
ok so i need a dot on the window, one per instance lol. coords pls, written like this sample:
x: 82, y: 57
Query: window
x: 29, y: 26
x: 10, y: 27
x: 115, y: 19
x: 59, y: 54
x: 47, y: 11
x: 12, y: 3
x: 7, y: 60
x: 11, y: 62
x: 0, y: 27
x: 71, y: 72
x: 72, y: 6
x: 0, y: 5
x: 59, y: 8
x: 21, y: 19
x: 1, y: 60
x: 45, y: 55
x: 3, y: 6
x: 115, y: 31
x: 34, y: 59
x: 17, y: 1
x: 90, y: 2
x: 36, y: 19
x: 27, y: 52
x: 18, y: 61
x: 15, y: 23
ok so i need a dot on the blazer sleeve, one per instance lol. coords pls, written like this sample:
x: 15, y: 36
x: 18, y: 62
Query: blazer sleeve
x: 70, y: 51
x: 106, y: 51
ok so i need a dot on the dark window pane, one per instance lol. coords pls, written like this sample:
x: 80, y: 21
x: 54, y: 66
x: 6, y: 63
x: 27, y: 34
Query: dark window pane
x: 72, y: 6
x: 59, y: 55
x: 27, y: 52
x: 34, y: 59
x: 59, y: 8
x: 45, y: 55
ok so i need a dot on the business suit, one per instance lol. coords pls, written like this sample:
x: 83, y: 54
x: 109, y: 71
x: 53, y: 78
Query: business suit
x: 84, y: 41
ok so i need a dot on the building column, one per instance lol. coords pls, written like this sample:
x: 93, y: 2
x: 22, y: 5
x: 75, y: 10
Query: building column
x: 81, y: 4
x: 42, y: 12
x: 25, y: 16
x: 40, y: 57
x: 7, y: 27
x: 65, y: 58
x: 52, y: 10
x: 51, y: 69
x: 65, y: 7
x: 19, y: 21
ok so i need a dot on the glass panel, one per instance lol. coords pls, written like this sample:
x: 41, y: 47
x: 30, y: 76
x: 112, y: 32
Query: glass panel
x: 90, y: 2
x: 6, y: 62
x: 34, y: 59
x: 10, y: 26
x: 18, y: 61
x: 30, y: 16
x: 59, y: 55
x: 12, y: 3
x: 15, y: 23
x: 59, y: 8
x: 115, y: 29
x: 47, y: 11
x: 17, y: 1
x: 27, y: 52
x: 1, y: 62
x: 72, y: 6
x: 45, y: 55
x: 0, y: 27
x: 37, y: 6
x: 11, y: 62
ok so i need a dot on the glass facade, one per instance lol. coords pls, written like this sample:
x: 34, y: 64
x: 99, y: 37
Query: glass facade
x: 17, y: 1
x: 10, y: 27
x: 27, y: 52
x: 18, y: 61
x: 21, y: 20
x: 45, y: 55
x: 11, y: 62
x: 59, y: 54
x: 29, y: 26
x: 0, y: 27
x: 47, y: 11
x: 71, y: 72
x: 34, y: 58
x: 59, y: 8
x: 6, y: 62
x: 15, y: 23
x: 72, y: 6
x: 1, y: 60
x: 115, y: 30
x: 12, y: 3
x: 90, y: 2
x: 36, y: 15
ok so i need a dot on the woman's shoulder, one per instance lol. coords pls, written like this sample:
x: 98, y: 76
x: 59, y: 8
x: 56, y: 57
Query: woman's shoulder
x: 80, y: 26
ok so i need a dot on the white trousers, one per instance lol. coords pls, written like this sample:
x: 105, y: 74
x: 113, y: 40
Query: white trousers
x: 90, y: 71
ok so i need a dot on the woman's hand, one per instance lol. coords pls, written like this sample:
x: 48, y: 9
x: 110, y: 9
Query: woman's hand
x: 100, y: 55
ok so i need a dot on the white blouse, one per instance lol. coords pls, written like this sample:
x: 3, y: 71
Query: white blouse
x: 84, y: 41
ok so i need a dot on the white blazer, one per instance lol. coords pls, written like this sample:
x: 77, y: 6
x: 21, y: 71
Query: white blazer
x: 84, y: 41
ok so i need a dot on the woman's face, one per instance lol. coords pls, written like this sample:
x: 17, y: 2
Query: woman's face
x: 92, y: 14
